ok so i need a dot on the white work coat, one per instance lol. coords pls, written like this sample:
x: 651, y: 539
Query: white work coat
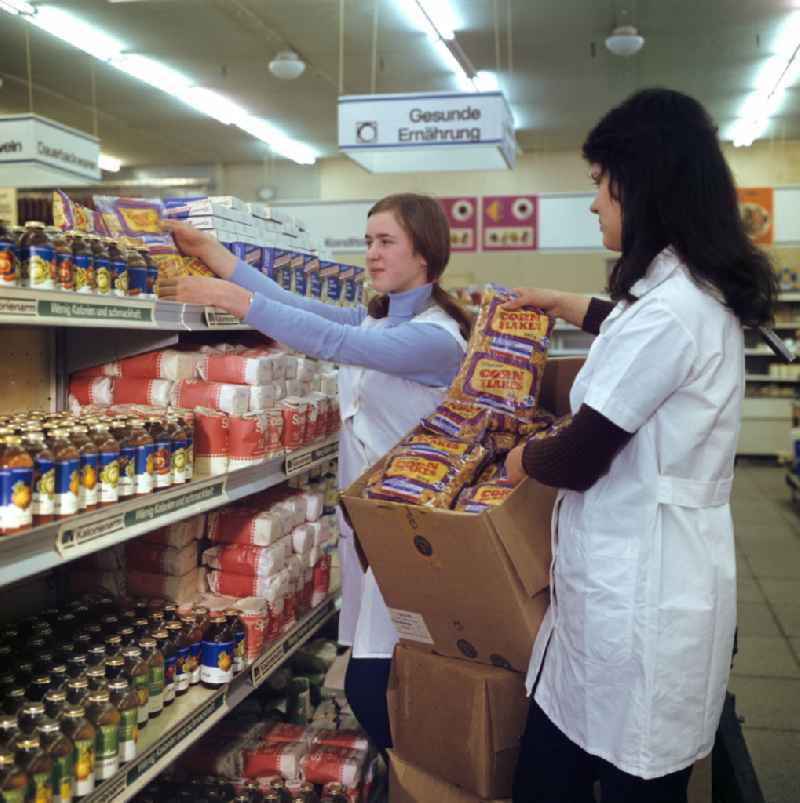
x: 639, y: 634
x: 377, y: 410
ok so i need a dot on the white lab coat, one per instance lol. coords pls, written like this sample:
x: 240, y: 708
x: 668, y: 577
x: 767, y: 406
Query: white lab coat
x: 639, y: 634
x: 377, y: 410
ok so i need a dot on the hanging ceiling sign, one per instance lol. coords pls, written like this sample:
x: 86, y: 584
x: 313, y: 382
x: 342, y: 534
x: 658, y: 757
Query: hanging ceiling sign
x: 37, y: 152
x: 462, y: 215
x: 509, y: 222
x: 427, y: 132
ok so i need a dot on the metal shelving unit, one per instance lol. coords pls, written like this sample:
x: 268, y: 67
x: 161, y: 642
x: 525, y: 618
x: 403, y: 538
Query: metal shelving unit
x: 187, y: 719
x: 51, y: 545
x: 58, y: 308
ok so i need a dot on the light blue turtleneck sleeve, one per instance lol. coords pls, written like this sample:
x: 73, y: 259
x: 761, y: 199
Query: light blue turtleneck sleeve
x: 422, y: 352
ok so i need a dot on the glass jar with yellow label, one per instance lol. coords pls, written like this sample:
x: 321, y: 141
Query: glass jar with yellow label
x: 16, y: 486
x: 44, y: 477
x: 38, y: 766
x: 60, y: 748
x: 103, y: 714
x: 67, y: 461
x: 82, y: 263
x: 107, y: 465
x: 155, y: 661
x: 89, y: 464
x: 83, y: 734
x: 37, y: 257
x: 62, y: 251
x: 127, y: 703
x: 9, y: 273
x: 137, y: 673
x: 102, y: 265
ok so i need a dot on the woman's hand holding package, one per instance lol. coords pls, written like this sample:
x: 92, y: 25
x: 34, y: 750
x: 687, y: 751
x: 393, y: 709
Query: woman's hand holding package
x: 570, y: 307
x: 212, y: 292
x: 193, y: 242
x: 514, y: 469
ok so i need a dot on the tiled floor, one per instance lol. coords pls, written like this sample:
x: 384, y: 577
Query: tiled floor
x: 766, y: 675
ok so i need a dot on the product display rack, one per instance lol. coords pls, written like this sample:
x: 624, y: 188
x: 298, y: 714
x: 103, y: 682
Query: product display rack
x: 49, y: 546
x: 56, y: 308
x: 189, y: 717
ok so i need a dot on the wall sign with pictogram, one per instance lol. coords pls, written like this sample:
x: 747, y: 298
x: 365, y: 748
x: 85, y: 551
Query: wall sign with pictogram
x: 462, y: 215
x: 509, y: 222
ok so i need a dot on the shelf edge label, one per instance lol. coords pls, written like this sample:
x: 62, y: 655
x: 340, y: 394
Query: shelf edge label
x: 95, y: 312
x: 167, y: 506
x: 301, y: 460
x: 217, y: 318
x: 22, y: 307
x: 71, y: 535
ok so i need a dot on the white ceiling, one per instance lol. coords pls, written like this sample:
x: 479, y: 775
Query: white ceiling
x: 560, y: 78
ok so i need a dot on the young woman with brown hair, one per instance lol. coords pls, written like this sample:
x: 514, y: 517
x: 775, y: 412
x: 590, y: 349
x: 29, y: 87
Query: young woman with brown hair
x: 398, y: 357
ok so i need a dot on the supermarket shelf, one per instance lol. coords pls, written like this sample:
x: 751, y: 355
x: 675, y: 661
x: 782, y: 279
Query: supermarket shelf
x: 563, y: 326
x: 789, y: 295
x: 759, y: 352
x: 767, y: 378
x: 568, y: 352
x: 786, y: 325
x: 57, y: 308
x: 191, y: 716
x: 51, y: 545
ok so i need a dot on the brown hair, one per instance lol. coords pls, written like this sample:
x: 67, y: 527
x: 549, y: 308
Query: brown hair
x: 422, y: 219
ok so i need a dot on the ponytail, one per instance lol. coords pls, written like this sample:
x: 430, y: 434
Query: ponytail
x: 379, y: 308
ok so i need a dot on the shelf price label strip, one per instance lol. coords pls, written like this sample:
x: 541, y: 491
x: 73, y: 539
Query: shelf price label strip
x: 76, y: 309
x: 71, y: 535
x: 302, y: 459
x: 219, y: 319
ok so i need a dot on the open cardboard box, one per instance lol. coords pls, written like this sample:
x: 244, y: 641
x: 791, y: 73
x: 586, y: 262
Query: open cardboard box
x: 465, y: 585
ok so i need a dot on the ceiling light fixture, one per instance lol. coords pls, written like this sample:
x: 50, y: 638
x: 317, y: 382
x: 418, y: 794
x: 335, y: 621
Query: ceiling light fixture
x: 74, y: 31
x: 108, y: 163
x: 625, y: 40
x: 287, y: 65
x: 776, y: 75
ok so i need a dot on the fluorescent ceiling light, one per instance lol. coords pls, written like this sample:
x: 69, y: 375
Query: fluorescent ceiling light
x: 152, y: 72
x: 441, y: 16
x: 76, y: 32
x: 454, y: 65
x: 777, y: 73
x: 109, y: 163
x: 213, y: 104
x: 17, y: 7
x: 485, y: 81
x: 277, y: 140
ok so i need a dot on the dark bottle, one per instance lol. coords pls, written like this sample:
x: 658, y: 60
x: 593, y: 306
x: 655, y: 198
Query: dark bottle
x: 167, y: 649
x: 127, y: 703
x: 58, y: 676
x: 16, y: 485
x: 216, y: 668
x: 103, y: 714
x: 83, y: 273
x: 38, y: 688
x: 24, y: 673
x: 115, y: 667
x: 162, y: 453
x: 9, y: 268
x: 77, y: 665
x: 44, y: 477
x: 137, y: 272
x: 9, y: 731
x: 119, y: 268
x: 60, y: 748
x: 67, y: 473
x: 142, y: 628
x: 89, y: 464
x: 62, y: 262
x: 96, y: 655
x: 155, y: 660
x: 102, y: 265
x: 37, y: 257
x: 96, y: 677
x: 237, y: 628
x: 13, y: 781
x: 127, y: 459
x: 108, y: 465
x: 38, y: 766
x: 157, y: 620
x: 113, y: 645
x: 137, y: 671
x: 182, y: 649
x: 77, y: 691
x: 14, y: 700
x: 127, y: 635
x: 77, y: 727
x: 54, y: 703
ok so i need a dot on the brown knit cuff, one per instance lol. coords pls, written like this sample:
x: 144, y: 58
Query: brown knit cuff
x: 598, y: 311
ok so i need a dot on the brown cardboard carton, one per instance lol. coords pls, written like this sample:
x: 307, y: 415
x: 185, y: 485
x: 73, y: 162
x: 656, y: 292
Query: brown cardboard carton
x: 464, y: 585
x: 457, y: 720
x: 410, y: 784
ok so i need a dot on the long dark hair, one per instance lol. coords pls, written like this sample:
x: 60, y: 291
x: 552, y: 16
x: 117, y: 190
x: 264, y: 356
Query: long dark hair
x: 421, y: 217
x: 661, y: 153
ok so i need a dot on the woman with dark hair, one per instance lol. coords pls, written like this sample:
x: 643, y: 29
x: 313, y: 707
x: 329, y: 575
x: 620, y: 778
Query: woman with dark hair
x: 630, y: 666
x: 398, y: 358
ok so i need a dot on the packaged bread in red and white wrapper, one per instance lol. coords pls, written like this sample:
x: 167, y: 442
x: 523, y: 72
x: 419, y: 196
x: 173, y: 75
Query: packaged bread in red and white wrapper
x: 274, y: 758
x: 346, y: 738
x: 322, y: 403
x: 324, y: 764
x: 247, y: 442
x: 245, y: 526
x: 296, y: 506
x: 319, y: 533
x: 165, y: 364
x: 92, y: 390
x: 291, y: 367
x: 178, y: 535
x: 176, y: 589
x: 132, y: 390
x: 312, y: 418
x: 193, y: 393
x: 274, y: 432
x: 266, y: 397
x: 236, y: 369
x: 147, y: 556
x: 315, y: 503
x: 302, y: 539
x: 248, y: 560
x: 211, y: 442
x: 253, y: 614
x: 295, y: 421
x: 321, y: 580
x: 281, y: 732
x: 334, y: 419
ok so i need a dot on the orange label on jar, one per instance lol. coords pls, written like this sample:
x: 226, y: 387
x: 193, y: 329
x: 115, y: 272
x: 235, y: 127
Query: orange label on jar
x: 429, y: 472
x: 500, y: 379
x: 141, y: 220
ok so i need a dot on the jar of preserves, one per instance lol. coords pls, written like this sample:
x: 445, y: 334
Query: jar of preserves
x: 89, y: 463
x: 194, y: 635
x: 155, y: 660
x: 137, y: 272
x: 38, y: 766
x: 54, y: 703
x: 9, y: 273
x: 67, y: 462
x: 9, y: 731
x: 44, y: 479
x: 83, y: 734
x: 127, y: 459
x: 143, y: 472
x: 137, y: 671
x: 162, y: 453
x: 102, y: 265
x: 180, y: 446
x: 37, y: 256
x: 62, y: 262
x: 82, y: 263
x: 216, y: 668
x: 60, y: 748
x: 16, y: 486
x: 103, y: 714
x: 152, y: 272
x: 182, y: 651
x: 237, y: 628
x: 119, y: 268
x: 167, y: 649
x: 107, y: 464
x: 127, y: 703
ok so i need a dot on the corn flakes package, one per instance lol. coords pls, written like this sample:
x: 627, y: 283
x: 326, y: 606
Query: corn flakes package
x: 63, y: 211
x: 552, y: 429
x: 480, y: 497
x: 458, y: 419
